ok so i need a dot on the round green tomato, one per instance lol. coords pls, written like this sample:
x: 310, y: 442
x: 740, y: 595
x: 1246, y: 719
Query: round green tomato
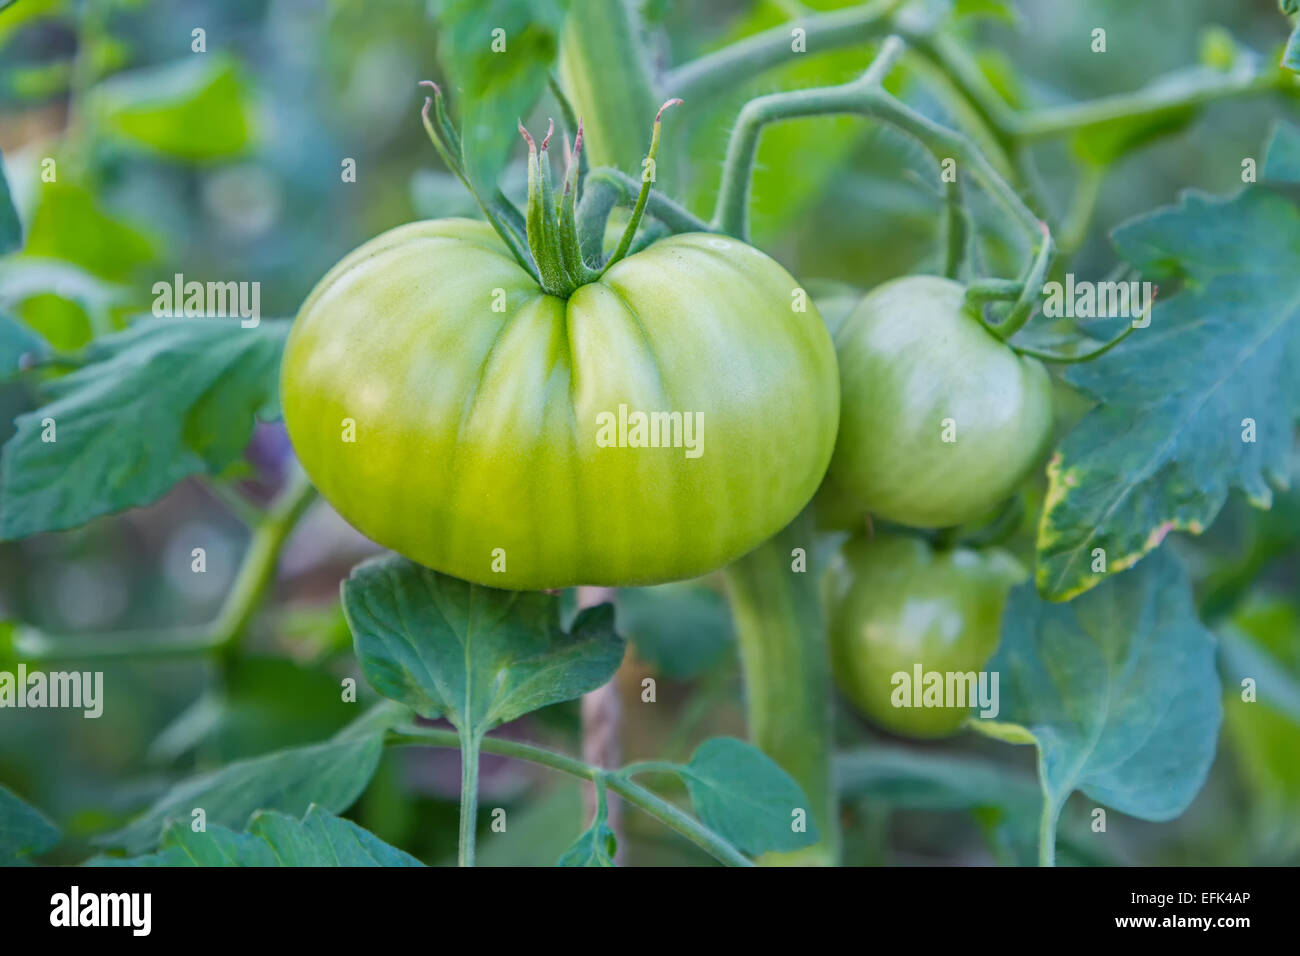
x: 939, y: 419
x: 896, y: 605
x: 661, y: 422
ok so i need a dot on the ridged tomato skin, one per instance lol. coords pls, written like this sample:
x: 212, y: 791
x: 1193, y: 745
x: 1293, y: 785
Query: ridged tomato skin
x: 896, y: 603
x: 916, y: 369
x: 477, y: 402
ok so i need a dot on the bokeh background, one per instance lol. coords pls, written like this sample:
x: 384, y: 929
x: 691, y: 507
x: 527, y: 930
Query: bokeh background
x: 225, y: 165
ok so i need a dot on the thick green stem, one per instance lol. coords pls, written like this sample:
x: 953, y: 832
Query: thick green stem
x: 731, y: 214
x: 469, y: 760
x: 1188, y: 92
x: 783, y: 651
x: 717, y: 73
x: 720, y: 71
x: 865, y: 97
x: 606, y: 77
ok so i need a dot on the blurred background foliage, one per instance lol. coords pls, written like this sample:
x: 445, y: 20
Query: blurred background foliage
x: 227, y: 164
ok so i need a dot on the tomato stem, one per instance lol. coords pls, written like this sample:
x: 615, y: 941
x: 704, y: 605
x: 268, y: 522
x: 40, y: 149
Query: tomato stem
x: 616, y: 780
x: 1047, y: 832
x: 607, y: 187
x: 1063, y: 359
x: 865, y: 96
x: 731, y: 213
x: 781, y: 634
x: 718, y: 73
x: 469, y: 761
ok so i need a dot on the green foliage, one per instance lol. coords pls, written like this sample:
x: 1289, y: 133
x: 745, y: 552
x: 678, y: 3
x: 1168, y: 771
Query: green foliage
x: 1118, y: 689
x: 163, y: 167
x: 62, y: 302
x: 24, y: 831
x: 194, y: 110
x: 934, y: 781
x: 597, y: 844
x: 273, y: 839
x: 475, y: 655
x: 70, y: 224
x: 496, y: 86
x: 163, y: 400
x: 1197, y: 403
x: 681, y: 629
x: 332, y: 774
x: 743, y: 794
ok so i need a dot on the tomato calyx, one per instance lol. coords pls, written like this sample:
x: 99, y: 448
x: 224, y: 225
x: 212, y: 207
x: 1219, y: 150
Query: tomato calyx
x: 546, y: 239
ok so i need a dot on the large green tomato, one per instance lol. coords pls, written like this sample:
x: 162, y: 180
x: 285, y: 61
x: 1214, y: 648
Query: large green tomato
x: 661, y: 422
x: 895, y: 604
x: 940, y: 420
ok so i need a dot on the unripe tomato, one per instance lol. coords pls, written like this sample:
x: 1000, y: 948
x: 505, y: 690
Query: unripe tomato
x: 939, y: 419
x: 488, y: 437
x: 896, y: 603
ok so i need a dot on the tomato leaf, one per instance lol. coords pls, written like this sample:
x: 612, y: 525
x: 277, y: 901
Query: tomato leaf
x: 166, y: 399
x: 743, y: 794
x: 920, y: 780
x: 478, y: 656
x: 194, y: 109
x: 1118, y: 688
x: 1001, y: 10
x: 273, y: 839
x: 332, y: 774
x: 70, y: 225
x: 1201, y: 401
x: 497, y: 54
x: 24, y: 831
x: 682, y: 629
x: 27, y: 278
x: 597, y: 844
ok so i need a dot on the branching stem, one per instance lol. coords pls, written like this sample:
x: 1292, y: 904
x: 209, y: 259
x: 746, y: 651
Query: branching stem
x: 616, y: 780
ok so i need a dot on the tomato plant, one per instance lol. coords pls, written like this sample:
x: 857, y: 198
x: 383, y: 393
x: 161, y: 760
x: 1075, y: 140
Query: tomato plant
x: 840, y: 409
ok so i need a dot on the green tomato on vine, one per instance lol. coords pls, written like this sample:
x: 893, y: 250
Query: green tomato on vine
x: 940, y: 420
x: 521, y: 419
x: 897, y: 604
